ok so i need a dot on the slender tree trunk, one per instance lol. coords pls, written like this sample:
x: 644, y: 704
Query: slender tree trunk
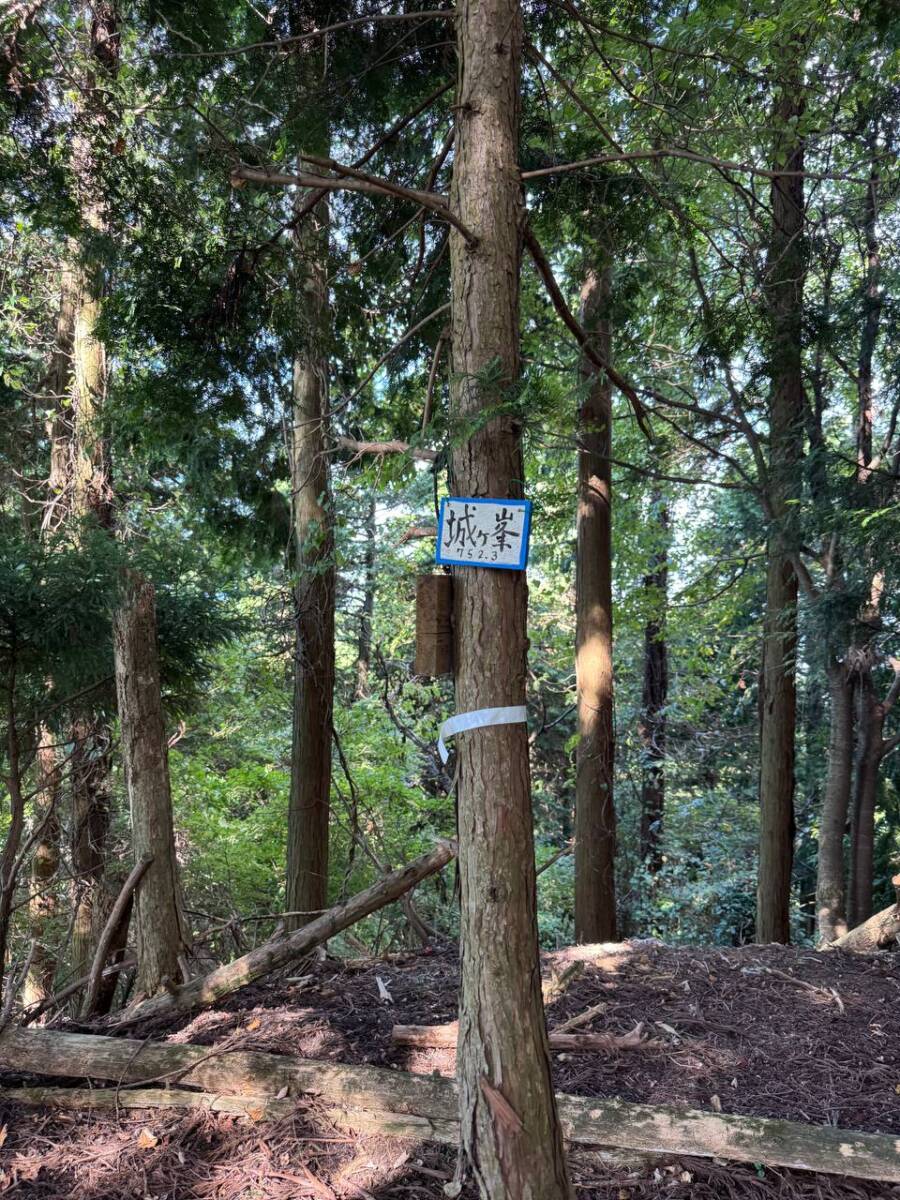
x: 313, y: 518
x: 654, y: 698
x: 595, y: 814
x: 60, y: 394
x: 872, y: 305
x: 785, y: 270
x: 9, y: 854
x: 510, y: 1131
x: 364, y: 642
x: 90, y: 766
x: 42, y: 907
x: 831, y: 909
x: 865, y: 792
x: 162, y: 935
x: 90, y: 472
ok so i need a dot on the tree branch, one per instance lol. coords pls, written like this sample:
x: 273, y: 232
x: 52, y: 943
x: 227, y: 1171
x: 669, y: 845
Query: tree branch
x: 381, y: 448
x: 578, y: 332
x: 352, y: 181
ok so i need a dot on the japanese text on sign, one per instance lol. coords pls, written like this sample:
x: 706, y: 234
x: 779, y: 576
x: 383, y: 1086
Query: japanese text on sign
x: 484, y: 533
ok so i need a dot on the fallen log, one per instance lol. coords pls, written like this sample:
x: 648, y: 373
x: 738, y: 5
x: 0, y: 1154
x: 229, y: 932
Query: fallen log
x: 877, y: 933
x: 102, y: 1099
x: 445, y: 1036
x: 582, y: 1018
x: 287, y: 948
x: 428, y: 1101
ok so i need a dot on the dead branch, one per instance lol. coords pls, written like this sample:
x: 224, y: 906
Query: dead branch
x: 95, y: 978
x: 359, y: 449
x: 279, y: 952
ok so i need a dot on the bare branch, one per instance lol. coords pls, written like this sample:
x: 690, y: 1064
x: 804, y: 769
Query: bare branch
x: 721, y: 164
x: 352, y: 181
x: 381, y: 448
x: 577, y: 330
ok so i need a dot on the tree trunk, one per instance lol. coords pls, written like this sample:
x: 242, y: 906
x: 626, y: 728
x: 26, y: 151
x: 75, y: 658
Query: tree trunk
x: 306, y: 888
x: 654, y: 698
x: 89, y: 465
x: 831, y: 912
x: 90, y: 765
x: 60, y: 394
x: 783, y: 289
x: 511, y: 1136
x: 364, y: 642
x: 595, y: 814
x: 872, y: 305
x: 42, y: 906
x: 865, y: 792
x: 162, y: 935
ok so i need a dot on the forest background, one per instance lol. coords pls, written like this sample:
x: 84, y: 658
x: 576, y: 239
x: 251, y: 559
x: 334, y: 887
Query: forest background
x: 158, y: 296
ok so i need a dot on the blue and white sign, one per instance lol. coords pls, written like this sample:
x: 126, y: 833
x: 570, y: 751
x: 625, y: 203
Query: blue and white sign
x: 484, y: 533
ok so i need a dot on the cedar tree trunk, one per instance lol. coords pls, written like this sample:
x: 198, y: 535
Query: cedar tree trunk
x: 162, y: 936
x: 654, y: 698
x: 595, y: 814
x: 510, y: 1131
x: 783, y: 288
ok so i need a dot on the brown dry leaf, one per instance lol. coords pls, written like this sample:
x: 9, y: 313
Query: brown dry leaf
x: 256, y: 1114
x: 147, y: 1140
x: 254, y: 1024
x: 4, y: 1131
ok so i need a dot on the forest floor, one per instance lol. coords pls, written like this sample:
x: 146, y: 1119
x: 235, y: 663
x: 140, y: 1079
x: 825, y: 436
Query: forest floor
x: 765, y: 1031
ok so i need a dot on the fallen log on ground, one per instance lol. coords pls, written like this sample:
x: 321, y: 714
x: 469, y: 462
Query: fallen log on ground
x: 431, y: 1100
x: 103, y: 1099
x: 877, y: 933
x: 287, y: 948
x: 445, y: 1036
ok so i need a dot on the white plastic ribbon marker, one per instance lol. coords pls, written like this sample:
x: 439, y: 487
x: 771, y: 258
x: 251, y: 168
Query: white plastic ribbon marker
x: 478, y: 719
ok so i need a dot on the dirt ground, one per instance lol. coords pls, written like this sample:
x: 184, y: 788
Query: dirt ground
x: 769, y: 1031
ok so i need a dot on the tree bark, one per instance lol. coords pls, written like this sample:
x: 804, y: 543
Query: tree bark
x: 783, y: 291
x: 90, y: 766
x: 364, y: 641
x: 280, y: 951
x: 89, y: 460
x: 831, y: 909
x: 162, y: 933
x: 872, y: 306
x: 42, y: 907
x: 871, y: 749
x: 595, y: 814
x: 654, y: 698
x: 878, y: 933
x: 511, y: 1137
x: 306, y: 888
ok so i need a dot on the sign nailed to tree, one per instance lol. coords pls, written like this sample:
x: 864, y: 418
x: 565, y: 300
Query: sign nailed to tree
x: 484, y: 533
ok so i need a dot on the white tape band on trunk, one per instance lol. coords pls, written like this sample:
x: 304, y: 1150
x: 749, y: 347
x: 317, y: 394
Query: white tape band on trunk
x: 478, y: 720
